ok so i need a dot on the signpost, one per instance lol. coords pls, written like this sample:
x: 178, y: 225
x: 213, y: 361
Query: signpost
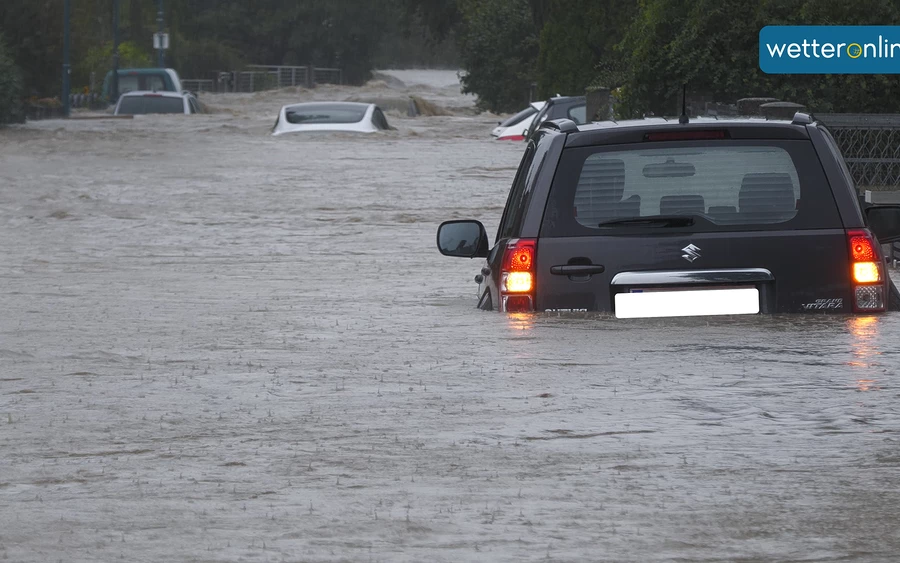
x: 114, y: 87
x: 163, y: 43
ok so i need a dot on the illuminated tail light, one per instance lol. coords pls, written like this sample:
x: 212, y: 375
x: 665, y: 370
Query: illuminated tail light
x: 867, y: 272
x: 517, y: 276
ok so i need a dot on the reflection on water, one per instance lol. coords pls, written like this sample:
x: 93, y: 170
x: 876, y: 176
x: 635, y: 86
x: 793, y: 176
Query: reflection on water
x: 863, y: 332
x: 521, y: 321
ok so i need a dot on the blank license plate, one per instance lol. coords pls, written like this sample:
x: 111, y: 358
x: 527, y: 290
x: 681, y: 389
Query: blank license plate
x: 687, y: 303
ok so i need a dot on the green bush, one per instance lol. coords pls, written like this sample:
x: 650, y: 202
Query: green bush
x: 11, y: 110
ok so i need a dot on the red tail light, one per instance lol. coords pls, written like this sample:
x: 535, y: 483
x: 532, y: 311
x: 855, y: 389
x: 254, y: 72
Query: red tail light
x: 517, y: 276
x: 511, y: 138
x: 866, y: 272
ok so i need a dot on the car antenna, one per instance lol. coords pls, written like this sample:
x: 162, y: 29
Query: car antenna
x: 683, y: 119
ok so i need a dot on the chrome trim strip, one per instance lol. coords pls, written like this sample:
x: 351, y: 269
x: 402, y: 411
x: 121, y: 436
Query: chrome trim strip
x: 688, y: 277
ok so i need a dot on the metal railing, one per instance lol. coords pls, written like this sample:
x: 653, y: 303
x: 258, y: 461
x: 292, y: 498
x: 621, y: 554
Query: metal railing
x: 198, y: 85
x: 870, y: 144
x: 255, y: 78
x: 328, y: 75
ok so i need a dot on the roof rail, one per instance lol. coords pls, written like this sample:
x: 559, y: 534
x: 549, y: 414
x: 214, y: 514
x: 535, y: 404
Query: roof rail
x: 561, y: 125
x: 801, y: 118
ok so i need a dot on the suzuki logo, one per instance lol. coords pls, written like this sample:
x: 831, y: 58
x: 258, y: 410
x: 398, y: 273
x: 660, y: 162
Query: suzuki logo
x: 691, y: 252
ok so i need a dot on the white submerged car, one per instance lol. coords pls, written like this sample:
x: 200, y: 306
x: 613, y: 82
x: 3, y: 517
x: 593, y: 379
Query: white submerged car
x: 330, y: 116
x: 513, y: 128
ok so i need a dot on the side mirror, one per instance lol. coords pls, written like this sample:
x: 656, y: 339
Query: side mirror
x: 884, y: 221
x: 466, y: 239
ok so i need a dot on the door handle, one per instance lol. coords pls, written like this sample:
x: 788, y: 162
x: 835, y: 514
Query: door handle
x: 577, y: 269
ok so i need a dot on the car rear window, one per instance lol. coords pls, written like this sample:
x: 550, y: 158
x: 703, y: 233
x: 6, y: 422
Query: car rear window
x: 136, y: 105
x: 724, y: 185
x: 324, y: 113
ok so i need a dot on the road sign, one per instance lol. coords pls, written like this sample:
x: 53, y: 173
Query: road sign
x: 160, y: 40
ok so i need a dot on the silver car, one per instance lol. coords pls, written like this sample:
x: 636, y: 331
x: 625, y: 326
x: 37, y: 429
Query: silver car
x: 144, y: 102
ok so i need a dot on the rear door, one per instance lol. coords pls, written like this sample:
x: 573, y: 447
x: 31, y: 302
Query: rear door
x: 750, y: 215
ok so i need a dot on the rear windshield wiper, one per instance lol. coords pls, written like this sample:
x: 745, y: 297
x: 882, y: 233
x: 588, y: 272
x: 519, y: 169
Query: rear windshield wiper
x: 651, y: 221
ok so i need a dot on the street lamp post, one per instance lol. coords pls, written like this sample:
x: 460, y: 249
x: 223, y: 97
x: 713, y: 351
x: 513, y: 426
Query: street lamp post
x: 114, y: 86
x: 161, y: 53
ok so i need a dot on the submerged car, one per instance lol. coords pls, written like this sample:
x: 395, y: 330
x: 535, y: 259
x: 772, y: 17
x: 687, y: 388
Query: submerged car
x: 656, y: 218
x: 573, y: 108
x: 330, y: 116
x: 138, y: 103
x: 514, y: 128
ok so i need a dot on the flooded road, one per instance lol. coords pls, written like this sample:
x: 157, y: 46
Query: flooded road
x: 217, y: 345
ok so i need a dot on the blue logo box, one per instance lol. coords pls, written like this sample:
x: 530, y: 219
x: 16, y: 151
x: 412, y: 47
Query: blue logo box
x: 829, y: 49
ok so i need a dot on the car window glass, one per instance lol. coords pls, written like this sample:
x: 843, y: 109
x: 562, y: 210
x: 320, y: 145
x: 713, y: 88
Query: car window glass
x: 128, y: 84
x: 380, y: 120
x: 730, y: 185
x: 325, y: 113
x: 512, y: 215
x: 152, y: 82
x: 519, y: 117
x: 578, y: 114
x: 136, y: 105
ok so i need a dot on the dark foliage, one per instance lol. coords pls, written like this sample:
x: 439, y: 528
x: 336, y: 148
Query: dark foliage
x: 10, y: 88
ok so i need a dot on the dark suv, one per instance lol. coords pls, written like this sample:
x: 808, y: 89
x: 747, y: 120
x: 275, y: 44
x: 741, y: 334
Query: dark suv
x: 654, y: 218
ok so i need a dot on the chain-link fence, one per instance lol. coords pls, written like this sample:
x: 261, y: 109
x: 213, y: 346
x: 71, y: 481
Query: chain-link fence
x: 870, y: 144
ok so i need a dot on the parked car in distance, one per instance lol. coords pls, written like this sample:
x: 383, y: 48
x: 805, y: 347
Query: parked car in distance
x: 573, y: 108
x: 142, y: 79
x: 514, y: 127
x: 656, y: 218
x: 139, y: 102
x: 330, y: 116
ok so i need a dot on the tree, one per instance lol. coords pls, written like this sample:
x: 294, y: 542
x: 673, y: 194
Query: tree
x: 498, y: 49
x: 10, y: 88
x: 576, y: 37
x: 712, y: 46
x: 33, y: 32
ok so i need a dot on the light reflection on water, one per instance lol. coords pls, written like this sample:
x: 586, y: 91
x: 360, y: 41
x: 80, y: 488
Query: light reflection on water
x: 865, y: 350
